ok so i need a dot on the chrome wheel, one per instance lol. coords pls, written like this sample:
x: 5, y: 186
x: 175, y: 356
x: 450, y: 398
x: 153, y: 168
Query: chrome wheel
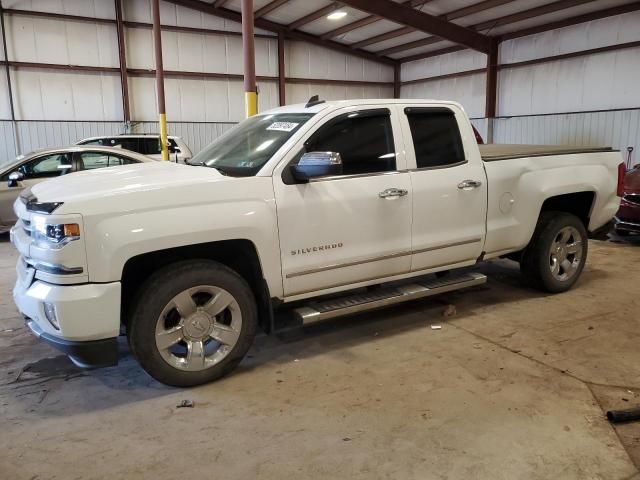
x: 198, y: 328
x: 565, y: 254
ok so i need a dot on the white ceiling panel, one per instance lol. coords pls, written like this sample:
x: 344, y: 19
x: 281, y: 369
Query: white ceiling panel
x: 428, y: 48
x: 410, y: 37
x: 324, y: 25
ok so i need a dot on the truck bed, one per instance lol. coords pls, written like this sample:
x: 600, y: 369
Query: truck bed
x: 495, y: 152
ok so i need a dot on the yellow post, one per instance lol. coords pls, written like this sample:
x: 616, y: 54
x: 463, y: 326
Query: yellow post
x: 250, y: 103
x: 249, y: 59
x: 164, y: 146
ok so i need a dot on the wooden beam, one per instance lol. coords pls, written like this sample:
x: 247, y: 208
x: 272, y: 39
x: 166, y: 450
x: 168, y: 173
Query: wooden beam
x: 268, y: 8
x: 492, y: 81
x: 405, y: 15
x: 268, y: 25
x: 313, y: 16
x: 568, y: 22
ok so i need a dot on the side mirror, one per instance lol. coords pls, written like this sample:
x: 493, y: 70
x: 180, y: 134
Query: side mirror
x: 317, y: 164
x: 15, y: 178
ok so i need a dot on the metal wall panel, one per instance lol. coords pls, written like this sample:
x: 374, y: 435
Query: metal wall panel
x: 7, y: 142
x: 86, y: 8
x: 50, y: 40
x: 468, y: 91
x: 61, y: 95
x: 301, y: 92
x: 617, y: 129
x: 305, y: 60
x: 196, y: 135
x: 443, y: 65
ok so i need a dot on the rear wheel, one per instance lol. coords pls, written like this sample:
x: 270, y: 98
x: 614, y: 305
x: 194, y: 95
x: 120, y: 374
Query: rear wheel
x: 555, y: 257
x: 193, y: 323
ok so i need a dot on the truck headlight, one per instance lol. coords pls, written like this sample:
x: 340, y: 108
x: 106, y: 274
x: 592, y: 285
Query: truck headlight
x: 53, y: 235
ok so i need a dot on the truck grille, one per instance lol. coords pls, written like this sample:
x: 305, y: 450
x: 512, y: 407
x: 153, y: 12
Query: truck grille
x: 633, y: 198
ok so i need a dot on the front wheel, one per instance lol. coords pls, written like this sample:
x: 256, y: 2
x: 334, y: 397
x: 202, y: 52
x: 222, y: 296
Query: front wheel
x: 555, y: 257
x: 192, y: 323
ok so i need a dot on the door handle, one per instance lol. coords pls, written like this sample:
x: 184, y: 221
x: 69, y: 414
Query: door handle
x: 393, y: 192
x: 469, y: 184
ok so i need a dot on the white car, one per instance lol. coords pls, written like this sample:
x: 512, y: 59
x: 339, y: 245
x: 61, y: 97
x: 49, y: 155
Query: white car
x: 146, y: 144
x: 289, y: 215
x: 35, y: 167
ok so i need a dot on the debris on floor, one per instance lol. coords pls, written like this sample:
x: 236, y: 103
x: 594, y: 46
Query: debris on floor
x: 623, y: 416
x: 185, y: 404
x: 450, y: 311
x: 436, y: 327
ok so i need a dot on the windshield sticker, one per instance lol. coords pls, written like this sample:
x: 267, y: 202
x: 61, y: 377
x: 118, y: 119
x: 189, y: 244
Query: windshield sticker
x: 282, y: 126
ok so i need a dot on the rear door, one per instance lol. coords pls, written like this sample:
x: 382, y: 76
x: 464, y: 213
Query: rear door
x: 344, y: 229
x: 449, y: 188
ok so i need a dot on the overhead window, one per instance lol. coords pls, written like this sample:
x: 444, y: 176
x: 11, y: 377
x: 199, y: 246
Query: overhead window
x: 436, y: 137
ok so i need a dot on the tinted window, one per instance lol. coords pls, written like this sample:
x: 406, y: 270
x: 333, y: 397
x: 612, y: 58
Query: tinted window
x: 47, y: 166
x: 436, y: 137
x: 150, y: 146
x: 363, y: 139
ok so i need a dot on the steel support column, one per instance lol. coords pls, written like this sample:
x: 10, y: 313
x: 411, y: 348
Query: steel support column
x: 157, y: 48
x: 124, y: 82
x: 249, y: 55
x: 16, y: 138
x: 281, y: 70
x: 492, y: 88
x: 397, y: 81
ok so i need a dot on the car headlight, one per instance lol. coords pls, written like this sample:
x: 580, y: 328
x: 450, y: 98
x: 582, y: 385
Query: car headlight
x: 53, y: 235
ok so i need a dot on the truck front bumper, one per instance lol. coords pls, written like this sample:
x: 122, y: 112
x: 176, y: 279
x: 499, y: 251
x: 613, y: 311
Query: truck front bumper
x: 82, y: 321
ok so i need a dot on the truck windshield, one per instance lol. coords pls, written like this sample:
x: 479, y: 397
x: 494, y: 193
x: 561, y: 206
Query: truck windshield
x: 243, y: 150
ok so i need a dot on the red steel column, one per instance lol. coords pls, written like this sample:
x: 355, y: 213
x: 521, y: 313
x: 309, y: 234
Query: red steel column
x: 249, y: 54
x: 397, y: 69
x: 157, y: 48
x: 281, y: 70
x: 492, y: 89
x: 124, y: 82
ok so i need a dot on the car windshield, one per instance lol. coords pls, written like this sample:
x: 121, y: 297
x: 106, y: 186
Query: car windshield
x: 243, y: 150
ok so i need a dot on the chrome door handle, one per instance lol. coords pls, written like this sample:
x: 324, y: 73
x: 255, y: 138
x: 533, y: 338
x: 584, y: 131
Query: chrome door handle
x: 393, y: 192
x: 469, y: 184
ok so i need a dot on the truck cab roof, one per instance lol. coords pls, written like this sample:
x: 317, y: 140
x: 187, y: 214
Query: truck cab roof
x: 337, y: 104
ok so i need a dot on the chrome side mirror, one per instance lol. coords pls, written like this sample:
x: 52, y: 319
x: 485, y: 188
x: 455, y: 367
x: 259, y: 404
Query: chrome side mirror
x: 15, y: 178
x: 317, y: 164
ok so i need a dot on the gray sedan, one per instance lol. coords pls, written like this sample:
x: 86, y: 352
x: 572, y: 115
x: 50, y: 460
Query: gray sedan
x: 41, y: 165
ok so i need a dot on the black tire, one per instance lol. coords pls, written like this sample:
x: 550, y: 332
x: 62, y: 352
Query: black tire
x: 155, y: 295
x: 536, y: 261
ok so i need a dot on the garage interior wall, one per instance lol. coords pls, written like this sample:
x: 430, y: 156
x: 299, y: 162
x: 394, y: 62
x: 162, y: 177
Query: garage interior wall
x: 56, y: 106
x: 585, y: 100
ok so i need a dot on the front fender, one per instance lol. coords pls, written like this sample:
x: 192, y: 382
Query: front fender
x: 115, y: 238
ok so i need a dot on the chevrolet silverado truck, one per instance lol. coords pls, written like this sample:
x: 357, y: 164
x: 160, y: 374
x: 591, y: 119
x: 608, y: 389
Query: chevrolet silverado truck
x: 302, y: 213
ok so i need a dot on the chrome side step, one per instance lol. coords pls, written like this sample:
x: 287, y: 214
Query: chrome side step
x: 361, y: 302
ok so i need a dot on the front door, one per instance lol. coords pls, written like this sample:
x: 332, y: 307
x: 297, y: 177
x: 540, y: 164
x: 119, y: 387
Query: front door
x: 350, y: 228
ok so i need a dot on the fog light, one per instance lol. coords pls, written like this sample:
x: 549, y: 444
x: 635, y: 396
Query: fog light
x: 50, y: 313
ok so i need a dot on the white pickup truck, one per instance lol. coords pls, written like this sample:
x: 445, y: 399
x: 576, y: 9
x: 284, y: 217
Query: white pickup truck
x: 297, y: 213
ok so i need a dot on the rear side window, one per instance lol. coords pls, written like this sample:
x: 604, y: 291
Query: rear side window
x: 363, y: 139
x: 436, y: 137
x: 150, y: 146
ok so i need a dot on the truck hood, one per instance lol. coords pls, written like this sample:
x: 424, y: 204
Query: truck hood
x: 122, y: 180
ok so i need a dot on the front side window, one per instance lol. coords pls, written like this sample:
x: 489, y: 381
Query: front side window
x: 47, y: 166
x: 363, y: 139
x: 244, y: 149
x: 436, y: 137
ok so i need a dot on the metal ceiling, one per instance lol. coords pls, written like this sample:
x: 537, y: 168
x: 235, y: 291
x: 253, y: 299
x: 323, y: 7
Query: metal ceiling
x: 393, y: 31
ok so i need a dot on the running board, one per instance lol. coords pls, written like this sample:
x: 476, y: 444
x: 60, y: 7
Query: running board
x: 362, y: 302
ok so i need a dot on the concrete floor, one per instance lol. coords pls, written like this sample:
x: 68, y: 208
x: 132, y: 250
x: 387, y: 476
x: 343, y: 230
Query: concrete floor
x: 513, y: 386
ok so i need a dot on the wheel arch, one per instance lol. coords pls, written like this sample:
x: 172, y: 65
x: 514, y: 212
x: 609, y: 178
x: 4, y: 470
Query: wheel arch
x: 240, y: 255
x: 578, y: 203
